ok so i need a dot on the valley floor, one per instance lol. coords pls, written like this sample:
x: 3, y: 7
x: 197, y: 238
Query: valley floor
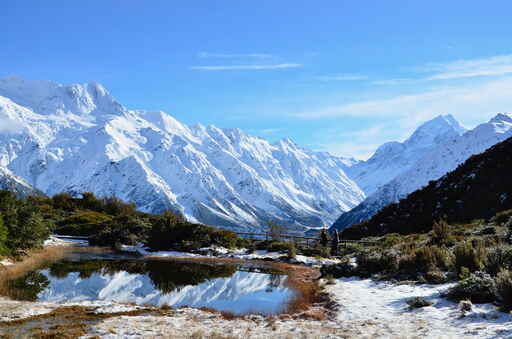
x: 362, y: 309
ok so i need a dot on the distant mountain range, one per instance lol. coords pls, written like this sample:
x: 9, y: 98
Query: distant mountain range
x: 478, y: 189
x: 77, y: 138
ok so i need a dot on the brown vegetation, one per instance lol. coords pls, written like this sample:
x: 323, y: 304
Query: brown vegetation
x: 34, y: 259
x: 63, y: 322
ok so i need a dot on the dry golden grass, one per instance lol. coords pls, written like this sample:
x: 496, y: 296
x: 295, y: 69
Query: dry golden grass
x: 63, y: 322
x: 34, y: 259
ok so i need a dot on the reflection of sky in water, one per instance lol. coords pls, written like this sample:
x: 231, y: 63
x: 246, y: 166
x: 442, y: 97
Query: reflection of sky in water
x: 242, y: 292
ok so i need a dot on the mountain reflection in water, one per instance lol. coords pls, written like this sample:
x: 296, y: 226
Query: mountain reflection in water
x: 226, y: 287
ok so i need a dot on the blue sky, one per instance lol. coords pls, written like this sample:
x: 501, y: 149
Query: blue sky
x: 343, y: 76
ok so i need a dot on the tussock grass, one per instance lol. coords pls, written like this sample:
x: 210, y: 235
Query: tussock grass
x: 34, y: 259
x: 63, y: 322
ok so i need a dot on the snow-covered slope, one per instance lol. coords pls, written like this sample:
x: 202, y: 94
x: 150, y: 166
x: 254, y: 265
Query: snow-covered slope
x: 441, y: 159
x: 393, y: 158
x: 78, y: 138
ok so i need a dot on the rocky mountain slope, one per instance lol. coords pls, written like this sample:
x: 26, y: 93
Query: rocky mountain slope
x: 479, y: 188
x: 450, y: 150
x: 77, y: 138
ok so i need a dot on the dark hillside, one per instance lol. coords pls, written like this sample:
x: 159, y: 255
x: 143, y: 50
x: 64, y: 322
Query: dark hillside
x: 477, y: 189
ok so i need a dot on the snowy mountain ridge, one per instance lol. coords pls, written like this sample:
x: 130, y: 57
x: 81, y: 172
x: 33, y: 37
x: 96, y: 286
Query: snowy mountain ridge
x: 393, y: 158
x: 431, y: 165
x: 78, y: 138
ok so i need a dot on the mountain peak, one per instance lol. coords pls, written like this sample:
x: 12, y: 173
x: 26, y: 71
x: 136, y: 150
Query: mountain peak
x: 48, y: 97
x: 502, y: 117
x: 431, y: 130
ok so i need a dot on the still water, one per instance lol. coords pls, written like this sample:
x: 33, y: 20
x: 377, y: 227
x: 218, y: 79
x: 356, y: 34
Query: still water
x: 239, y: 289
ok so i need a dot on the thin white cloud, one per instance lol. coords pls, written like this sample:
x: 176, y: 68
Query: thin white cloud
x: 360, y: 143
x: 358, y: 150
x: 234, y: 56
x: 245, y: 67
x: 469, y: 101
x: 496, y: 65
x: 471, y: 104
x: 397, y: 81
x: 342, y: 77
x: 268, y: 131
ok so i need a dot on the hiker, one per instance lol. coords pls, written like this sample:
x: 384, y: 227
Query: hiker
x: 334, y: 243
x: 324, y: 239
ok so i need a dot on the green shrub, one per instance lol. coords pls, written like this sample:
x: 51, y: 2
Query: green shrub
x: 432, y: 258
x: 340, y: 270
x: 389, y: 240
x: 440, y: 232
x: 3, y: 237
x: 292, y: 251
x: 371, y: 262
x: 82, y: 223
x: 169, y: 231
x: 124, y: 229
x: 498, y: 258
x: 504, y: 289
x: 502, y: 217
x: 317, y: 251
x: 273, y: 246
x: 479, y: 287
x: 436, y: 277
x: 470, y: 256
x: 464, y: 273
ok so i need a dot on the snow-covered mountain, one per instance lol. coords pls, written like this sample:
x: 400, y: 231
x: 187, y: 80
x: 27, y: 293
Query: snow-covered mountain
x: 444, y: 156
x: 77, y: 138
x: 393, y: 158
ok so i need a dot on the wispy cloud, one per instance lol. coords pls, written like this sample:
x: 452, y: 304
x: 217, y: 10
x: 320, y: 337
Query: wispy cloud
x: 245, y: 67
x: 471, y: 104
x: 496, y: 65
x: 234, y: 56
x: 360, y: 143
x: 397, y: 81
x: 268, y: 131
x: 469, y: 100
x: 342, y: 77
x: 358, y: 150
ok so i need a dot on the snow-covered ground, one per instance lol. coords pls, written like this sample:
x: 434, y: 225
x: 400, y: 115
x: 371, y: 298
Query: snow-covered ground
x: 61, y: 240
x: 241, y: 253
x: 367, y: 309
x: 380, y: 310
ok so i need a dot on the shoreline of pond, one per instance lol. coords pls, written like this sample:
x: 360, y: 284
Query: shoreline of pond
x: 302, y: 279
